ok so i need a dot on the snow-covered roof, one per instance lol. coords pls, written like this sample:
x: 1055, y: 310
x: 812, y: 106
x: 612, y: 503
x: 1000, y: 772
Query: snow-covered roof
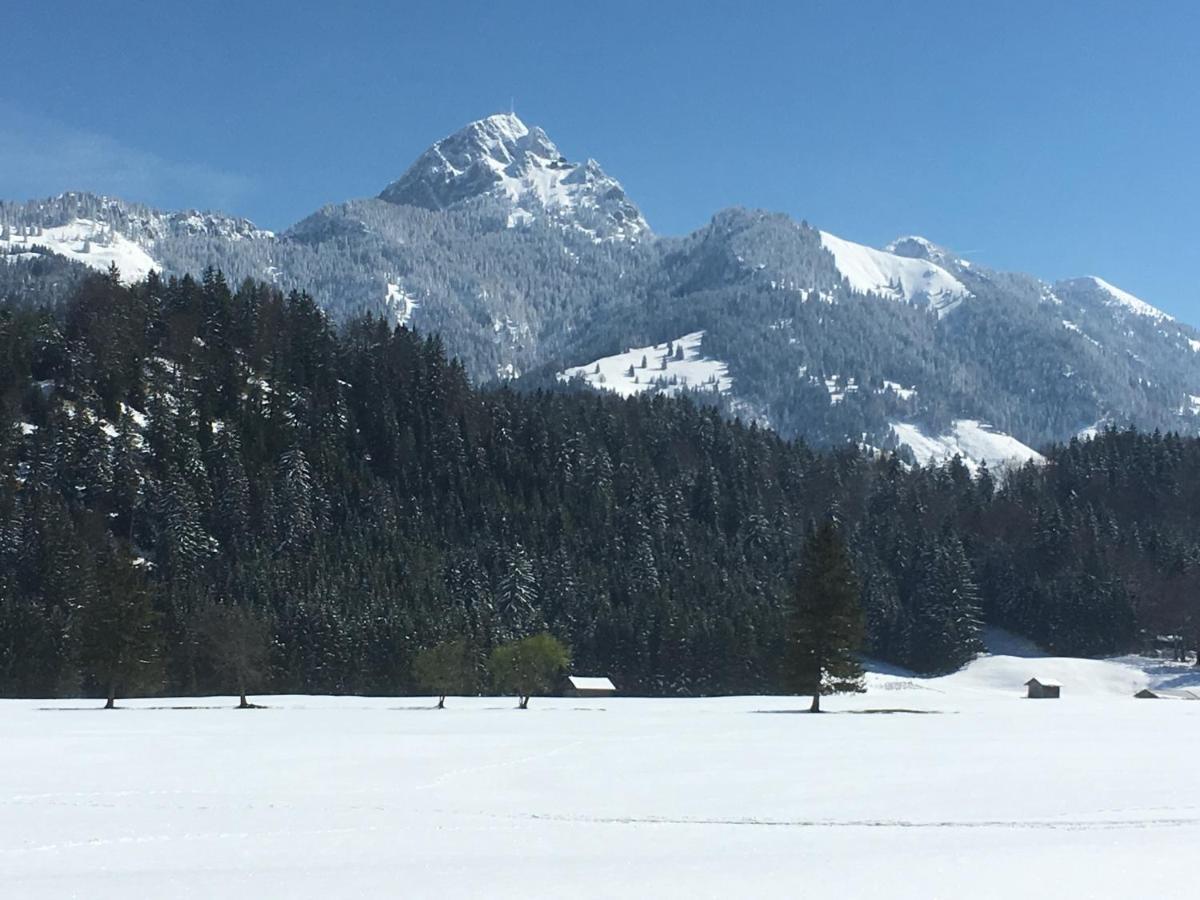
x: 590, y: 683
x: 1043, y: 683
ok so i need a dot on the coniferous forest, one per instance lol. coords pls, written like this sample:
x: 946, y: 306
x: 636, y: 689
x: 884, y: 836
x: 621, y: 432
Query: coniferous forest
x: 193, y: 478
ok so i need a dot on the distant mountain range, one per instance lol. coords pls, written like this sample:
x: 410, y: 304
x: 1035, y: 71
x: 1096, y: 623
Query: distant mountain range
x: 542, y: 270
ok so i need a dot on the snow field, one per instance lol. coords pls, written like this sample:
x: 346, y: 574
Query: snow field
x: 974, y: 441
x: 986, y: 795
x: 95, y: 244
x: 693, y: 371
x: 871, y: 271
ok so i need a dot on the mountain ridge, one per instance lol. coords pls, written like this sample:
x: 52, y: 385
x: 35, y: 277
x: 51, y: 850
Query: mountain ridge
x: 530, y: 266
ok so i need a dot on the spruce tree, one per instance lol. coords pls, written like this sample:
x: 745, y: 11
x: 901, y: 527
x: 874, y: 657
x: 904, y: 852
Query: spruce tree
x: 119, y: 637
x: 826, y: 630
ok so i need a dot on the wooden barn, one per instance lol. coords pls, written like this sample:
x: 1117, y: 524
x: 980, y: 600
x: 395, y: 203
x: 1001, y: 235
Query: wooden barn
x: 1043, y: 690
x: 1146, y: 694
x: 589, y: 686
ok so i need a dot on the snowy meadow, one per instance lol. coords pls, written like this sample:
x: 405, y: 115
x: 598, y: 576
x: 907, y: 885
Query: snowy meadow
x: 945, y: 787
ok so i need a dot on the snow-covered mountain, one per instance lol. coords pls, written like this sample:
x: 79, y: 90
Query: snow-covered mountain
x: 536, y: 268
x: 501, y: 157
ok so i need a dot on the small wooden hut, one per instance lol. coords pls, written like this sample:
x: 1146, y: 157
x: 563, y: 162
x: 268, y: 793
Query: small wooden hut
x: 1043, y: 690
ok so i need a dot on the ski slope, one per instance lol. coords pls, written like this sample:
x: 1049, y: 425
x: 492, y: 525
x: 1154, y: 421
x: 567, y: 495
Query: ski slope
x: 947, y: 787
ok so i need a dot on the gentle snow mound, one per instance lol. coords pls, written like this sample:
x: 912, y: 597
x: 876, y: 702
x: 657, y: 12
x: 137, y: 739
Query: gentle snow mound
x: 872, y: 271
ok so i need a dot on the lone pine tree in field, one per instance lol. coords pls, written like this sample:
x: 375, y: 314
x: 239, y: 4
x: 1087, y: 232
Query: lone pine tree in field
x: 826, y: 629
x: 118, y: 629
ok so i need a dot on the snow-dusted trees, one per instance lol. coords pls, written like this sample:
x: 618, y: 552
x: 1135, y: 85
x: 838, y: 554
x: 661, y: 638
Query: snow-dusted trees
x: 516, y: 595
x: 366, y: 501
x: 944, y: 618
x: 294, y: 500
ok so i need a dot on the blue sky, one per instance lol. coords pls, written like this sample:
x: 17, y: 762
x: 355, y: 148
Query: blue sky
x: 1056, y: 138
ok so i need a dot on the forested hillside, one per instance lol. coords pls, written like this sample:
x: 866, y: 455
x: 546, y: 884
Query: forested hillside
x: 168, y: 449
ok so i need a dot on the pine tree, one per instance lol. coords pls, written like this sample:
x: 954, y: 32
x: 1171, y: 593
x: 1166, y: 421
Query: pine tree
x: 516, y: 595
x: 826, y: 630
x: 118, y: 629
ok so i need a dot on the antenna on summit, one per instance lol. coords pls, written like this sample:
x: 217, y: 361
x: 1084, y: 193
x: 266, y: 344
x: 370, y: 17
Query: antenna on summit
x: 512, y: 106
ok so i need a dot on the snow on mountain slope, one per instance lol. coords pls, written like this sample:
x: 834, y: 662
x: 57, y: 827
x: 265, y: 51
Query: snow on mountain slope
x: 1130, y: 302
x: 974, y: 441
x: 501, y: 156
x: 872, y: 271
x: 664, y: 372
x: 401, y: 304
x: 95, y: 244
x: 1093, y: 291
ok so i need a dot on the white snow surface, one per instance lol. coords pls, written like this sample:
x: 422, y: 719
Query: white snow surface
x: 694, y: 371
x: 401, y: 303
x: 904, y: 393
x: 974, y: 441
x: 1071, y: 326
x: 954, y: 787
x: 1130, y: 302
x: 872, y: 271
x: 95, y: 244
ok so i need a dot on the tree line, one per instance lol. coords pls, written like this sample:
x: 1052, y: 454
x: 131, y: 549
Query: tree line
x: 187, y: 468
